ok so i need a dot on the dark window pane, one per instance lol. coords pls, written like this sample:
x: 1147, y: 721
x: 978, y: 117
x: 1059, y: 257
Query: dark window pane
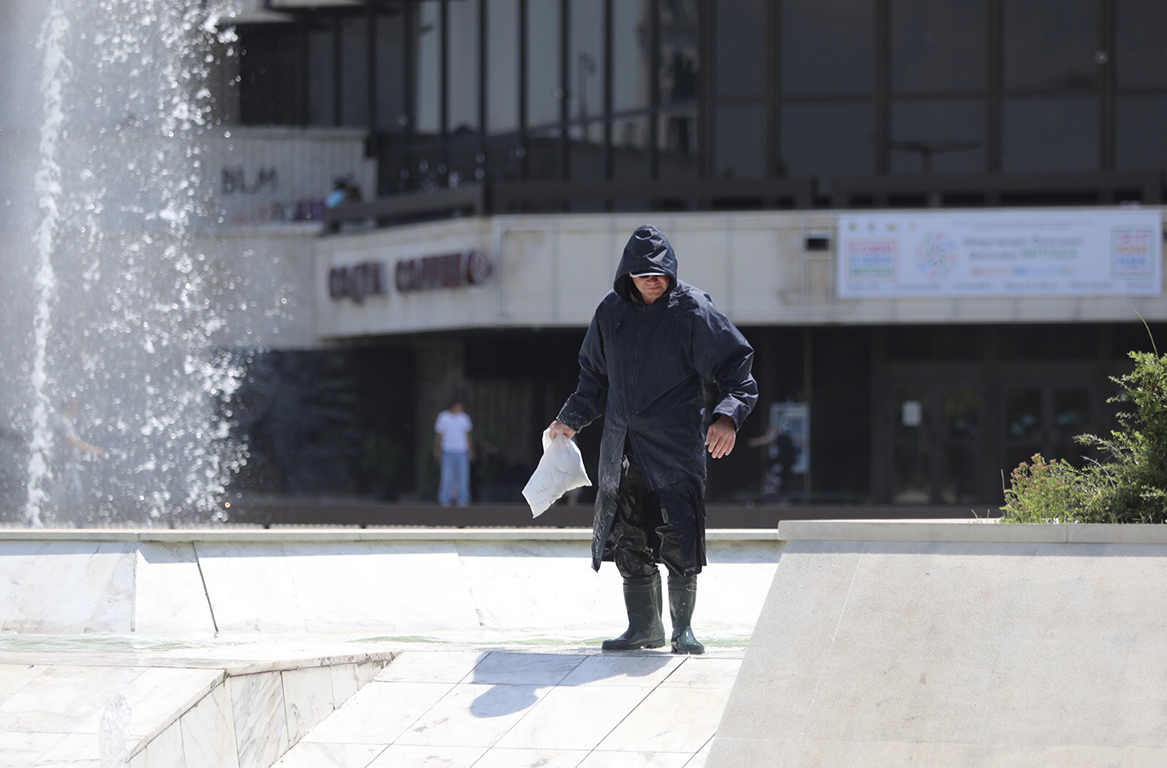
x: 631, y: 37
x: 502, y: 66
x: 1050, y: 134
x: 938, y: 137
x: 677, y: 143
x: 1023, y: 413
x: 741, y: 141
x: 680, y: 51
x: 321, y: 65
x: 354, y: 70
x: 944, y: 342
x: 828, y: 47
x: 1050, y: 44
x: 740, y: 69
x: 462, y: 60
x: 271, y: 91
x: 912, y: 475
x: 586, y: 152
x: 543, y: 90
x: 1140, y: 59
x: 1044, y: 342
x: 1141, y: 126
x: 428, y: 89
x: 1071, y: 413
x: 828, y: 139
x: 630, y: 149
x: 467, y: 161
x: 505, y: 155
x: 543, y: 153
x: 938, y: 46
x: 390, y: 63
x: 960, y: 410
x: 586, y: 60
x: 959, y: 474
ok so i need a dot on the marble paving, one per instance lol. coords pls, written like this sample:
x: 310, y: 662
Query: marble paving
x: 519, y: 708
x: 303, y: 703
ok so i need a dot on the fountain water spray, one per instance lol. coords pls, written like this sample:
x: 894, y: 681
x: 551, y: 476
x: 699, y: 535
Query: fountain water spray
x: 123, y: 323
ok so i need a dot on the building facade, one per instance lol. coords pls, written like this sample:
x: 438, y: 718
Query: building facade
x: 938, y: 222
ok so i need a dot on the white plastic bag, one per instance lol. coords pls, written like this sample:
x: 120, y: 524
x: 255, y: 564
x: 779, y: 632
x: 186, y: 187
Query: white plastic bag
x: 560, y: 470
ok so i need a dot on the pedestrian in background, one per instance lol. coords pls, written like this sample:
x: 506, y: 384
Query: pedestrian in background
x: 454, y: 450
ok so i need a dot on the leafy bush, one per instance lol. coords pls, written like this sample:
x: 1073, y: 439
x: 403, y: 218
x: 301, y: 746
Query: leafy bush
x: 1128, y: 484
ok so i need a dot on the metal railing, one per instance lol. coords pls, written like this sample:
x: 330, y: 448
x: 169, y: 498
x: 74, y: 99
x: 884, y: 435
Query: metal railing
x: 990, y: 190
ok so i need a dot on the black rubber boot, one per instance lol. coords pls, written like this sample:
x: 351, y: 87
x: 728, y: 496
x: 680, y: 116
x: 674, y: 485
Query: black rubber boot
x: 682, y: 598
x: 642, y: 598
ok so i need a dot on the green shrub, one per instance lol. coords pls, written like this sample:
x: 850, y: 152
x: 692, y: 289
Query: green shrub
x: 1127, y: 484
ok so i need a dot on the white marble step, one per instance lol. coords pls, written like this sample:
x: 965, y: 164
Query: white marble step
x: 183, y: 707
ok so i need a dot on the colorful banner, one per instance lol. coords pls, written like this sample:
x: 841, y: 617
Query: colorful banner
x: 1106, y: 252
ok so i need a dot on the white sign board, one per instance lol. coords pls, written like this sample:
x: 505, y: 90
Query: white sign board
x: 1107, y: 252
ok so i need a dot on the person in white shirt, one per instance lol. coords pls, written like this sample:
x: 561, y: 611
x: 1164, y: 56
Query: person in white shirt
x: 454, y: 449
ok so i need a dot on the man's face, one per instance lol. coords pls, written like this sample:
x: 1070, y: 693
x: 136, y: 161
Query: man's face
x: 651, y: 287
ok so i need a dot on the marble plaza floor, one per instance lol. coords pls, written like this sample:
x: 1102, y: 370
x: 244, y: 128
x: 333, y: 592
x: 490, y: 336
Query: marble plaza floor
x: 357, y: 703
x: 569, y: 708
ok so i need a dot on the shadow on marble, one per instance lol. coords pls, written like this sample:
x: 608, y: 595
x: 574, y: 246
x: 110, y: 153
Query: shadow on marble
x: 473, y: 715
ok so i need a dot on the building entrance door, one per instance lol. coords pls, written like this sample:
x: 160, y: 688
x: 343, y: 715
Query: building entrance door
x: 936, y: 450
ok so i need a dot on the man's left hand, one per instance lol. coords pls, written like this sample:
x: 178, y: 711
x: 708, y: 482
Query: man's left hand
x: 722, y: 435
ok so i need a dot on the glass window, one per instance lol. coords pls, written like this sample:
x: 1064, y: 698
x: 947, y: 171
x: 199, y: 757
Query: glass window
x: 960, y: 409
x: 1023, y: 413
x: 462, y: 63
x: 939, y: 47
x: 586, y: 60
x: 631, y: 46
x: 680, y: 51
x: 1141, y: 28
x: 587, y: 151
x: 1071, y: 412
x: 354, y: 69
x: 740, y: 27
x: 467, y: 161
x: 677, y: 143
x: 267, y: 94
x: 828, y: 47
x: 1049, y: 134
x: 505, y: 155
x: 321, y: 83
x: 1141, y: 126
x: 543, y: 91
x: 828, y: 139
x: 543, y: 153
x: 428, y: 91
x: 1046, y: 342
x: 390, y: 63
x: 1050, y: 44
x: 937, y: 137
x: 740, y: 141
x: 630, y: 149
x: 502, y: 66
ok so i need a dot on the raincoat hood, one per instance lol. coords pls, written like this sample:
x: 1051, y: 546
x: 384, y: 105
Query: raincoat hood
x: 648, y: 250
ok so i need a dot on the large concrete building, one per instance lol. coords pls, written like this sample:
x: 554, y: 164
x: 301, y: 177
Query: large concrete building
x: 938, y: 221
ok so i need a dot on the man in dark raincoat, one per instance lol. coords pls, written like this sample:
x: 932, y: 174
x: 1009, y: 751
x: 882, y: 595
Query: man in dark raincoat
x: 653, y: 347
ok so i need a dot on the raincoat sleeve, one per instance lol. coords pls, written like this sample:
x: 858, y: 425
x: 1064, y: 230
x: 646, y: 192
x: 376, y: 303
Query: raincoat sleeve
x: 723, y: 357
x: 587, y: 403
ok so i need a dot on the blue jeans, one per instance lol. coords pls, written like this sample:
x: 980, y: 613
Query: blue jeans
x: 455, y: 478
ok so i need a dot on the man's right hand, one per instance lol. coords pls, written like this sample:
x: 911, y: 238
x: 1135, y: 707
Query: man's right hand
x: 559, y: 428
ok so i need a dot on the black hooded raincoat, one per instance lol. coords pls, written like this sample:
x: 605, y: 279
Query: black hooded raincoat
x: 645, y: 368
